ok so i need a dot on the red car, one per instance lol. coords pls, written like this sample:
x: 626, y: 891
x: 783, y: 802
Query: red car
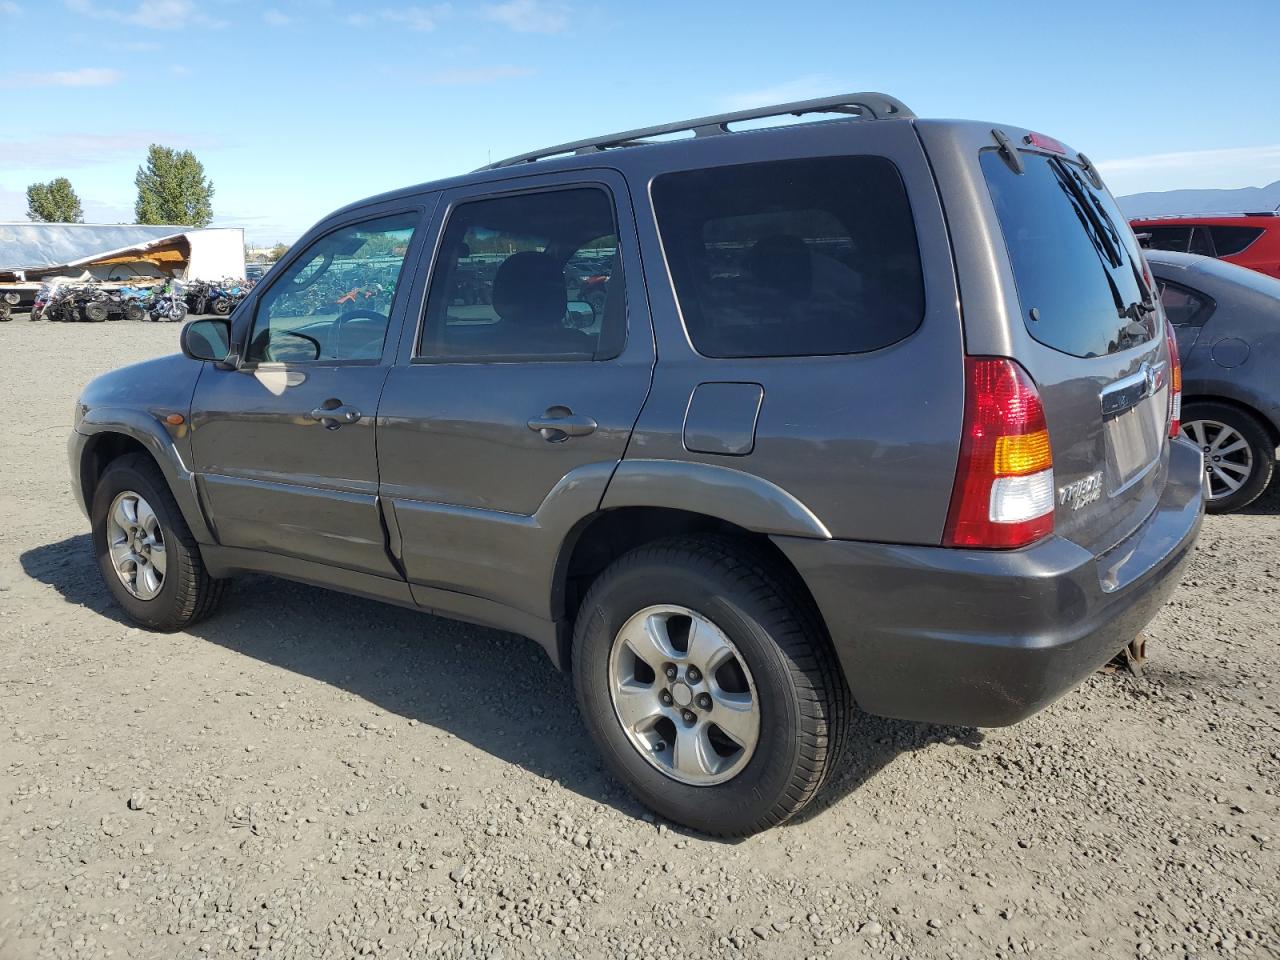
x: 1249, y: 239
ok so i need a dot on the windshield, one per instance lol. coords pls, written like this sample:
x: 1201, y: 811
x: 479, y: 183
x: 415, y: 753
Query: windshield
x: 1075, y: 259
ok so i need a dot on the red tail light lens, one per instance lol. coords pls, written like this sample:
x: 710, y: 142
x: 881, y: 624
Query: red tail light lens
x: 1003, y: 494
x: 1175, y: 382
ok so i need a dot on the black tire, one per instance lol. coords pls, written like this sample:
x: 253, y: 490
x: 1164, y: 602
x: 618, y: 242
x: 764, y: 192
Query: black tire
x: 803, y: 700
x: 135, y: 312
x: 96, y: 311
x: 187, y: 592
x: 1262, y: 449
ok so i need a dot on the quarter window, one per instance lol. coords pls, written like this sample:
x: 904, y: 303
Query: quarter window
x: 1229, y: 241
x: 1183, y: 307
x: 334, y: 302
x: 535, y: 276
x: 793, y: 257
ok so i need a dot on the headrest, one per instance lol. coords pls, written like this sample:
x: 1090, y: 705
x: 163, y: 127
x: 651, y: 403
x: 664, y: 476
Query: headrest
x: 529, y: 290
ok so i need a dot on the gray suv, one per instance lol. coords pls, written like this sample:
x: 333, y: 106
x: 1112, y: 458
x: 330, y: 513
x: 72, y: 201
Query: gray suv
x: 747, y: 429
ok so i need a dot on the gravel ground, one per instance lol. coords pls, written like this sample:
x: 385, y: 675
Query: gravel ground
x: 310, y: 775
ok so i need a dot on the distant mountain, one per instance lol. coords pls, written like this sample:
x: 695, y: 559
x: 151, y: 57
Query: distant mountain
x: 1168, y: 202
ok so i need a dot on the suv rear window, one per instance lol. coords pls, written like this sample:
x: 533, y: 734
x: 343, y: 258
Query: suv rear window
x: 792, y: 258
x: 1229, y: 241
x: 1074, y: 257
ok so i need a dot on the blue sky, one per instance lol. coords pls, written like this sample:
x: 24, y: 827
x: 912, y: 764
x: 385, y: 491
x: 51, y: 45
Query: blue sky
x: 299, y: 106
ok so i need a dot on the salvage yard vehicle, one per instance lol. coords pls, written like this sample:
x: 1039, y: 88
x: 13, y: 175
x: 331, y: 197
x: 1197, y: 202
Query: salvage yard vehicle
x: 1227, y: 323
x: 1248, y: 239
x: 778, y: 476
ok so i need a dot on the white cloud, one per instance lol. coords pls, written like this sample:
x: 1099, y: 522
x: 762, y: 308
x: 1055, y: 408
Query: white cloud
x: 84, y: 77
x: 89, y: 149
x: 150, y: 14
x: 529, y: 16
x: 418, y: 18
x: 423, y: 19
x: 1226, y: 167
x: 807, y: 87
x: 9, y: 9
x: 1193, y: 159
x: 276, y: 19
x: 469, y: 76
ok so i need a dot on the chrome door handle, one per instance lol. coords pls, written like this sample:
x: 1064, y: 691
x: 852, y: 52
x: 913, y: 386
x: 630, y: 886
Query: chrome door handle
x: 556, y: 426
x: 334, y: 417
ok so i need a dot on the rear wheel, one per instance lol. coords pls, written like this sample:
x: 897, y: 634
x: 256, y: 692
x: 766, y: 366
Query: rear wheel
x: 709, y: 685
x: 147, y: 556
x: 1239, y: 453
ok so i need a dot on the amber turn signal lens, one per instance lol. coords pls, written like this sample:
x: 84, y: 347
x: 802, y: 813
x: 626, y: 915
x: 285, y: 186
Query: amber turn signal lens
x: 175, y: 419
x: 1022, y: 454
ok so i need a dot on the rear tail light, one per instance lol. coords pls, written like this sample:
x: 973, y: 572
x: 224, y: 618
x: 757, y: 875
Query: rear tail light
x: 1003, y: 494
x: 1175, y: 382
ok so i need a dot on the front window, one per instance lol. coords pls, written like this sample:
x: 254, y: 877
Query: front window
x: 333, y: 303
x: 1075, y: 260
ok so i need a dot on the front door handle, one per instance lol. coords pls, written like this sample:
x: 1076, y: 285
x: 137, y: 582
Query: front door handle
x: 561, y: 423
x: 334, y: 417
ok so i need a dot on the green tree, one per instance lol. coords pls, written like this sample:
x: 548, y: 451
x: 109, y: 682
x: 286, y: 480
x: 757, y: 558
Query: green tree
x: 276, y: 252
x: 172, y: 188
x: 54, y: 202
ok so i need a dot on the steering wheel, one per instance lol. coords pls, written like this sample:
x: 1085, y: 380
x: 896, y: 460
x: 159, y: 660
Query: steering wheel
x: 359, y: 313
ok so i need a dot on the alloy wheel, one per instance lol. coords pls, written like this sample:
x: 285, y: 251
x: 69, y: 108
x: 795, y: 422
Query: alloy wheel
x: 683, y: 695
x: 135, y: 541
x: 1228, y: 458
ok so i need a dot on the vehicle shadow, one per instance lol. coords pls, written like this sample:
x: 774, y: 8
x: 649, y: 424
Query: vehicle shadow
x: 493, y: 690
x: 1268, y: 504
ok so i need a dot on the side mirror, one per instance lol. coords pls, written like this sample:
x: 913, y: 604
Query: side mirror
x: 208, y: 339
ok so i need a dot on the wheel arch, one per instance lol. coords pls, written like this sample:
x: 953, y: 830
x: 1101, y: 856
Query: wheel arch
x: 1272, y: 427
x: 601, y: 537
x: 104, y: 437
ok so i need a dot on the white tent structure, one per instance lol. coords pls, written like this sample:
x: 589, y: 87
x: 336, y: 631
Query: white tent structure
x: 121, y: 252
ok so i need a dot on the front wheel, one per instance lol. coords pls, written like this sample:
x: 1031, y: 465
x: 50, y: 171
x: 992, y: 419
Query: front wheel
x: 146, y: 553
x: 1239, y: 453
x: 709, y: 685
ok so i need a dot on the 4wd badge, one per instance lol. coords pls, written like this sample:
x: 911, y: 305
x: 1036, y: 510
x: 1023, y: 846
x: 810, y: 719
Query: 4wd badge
x: 1081, y: 492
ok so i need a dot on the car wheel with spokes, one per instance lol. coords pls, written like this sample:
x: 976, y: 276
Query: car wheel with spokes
x: 707, y: 681
x: 148, y: 557
x: 1239, y: 453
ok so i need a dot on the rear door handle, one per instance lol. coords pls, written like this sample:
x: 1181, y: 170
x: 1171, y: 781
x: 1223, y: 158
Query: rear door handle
x: 559, y: 423
x: 335, y: 417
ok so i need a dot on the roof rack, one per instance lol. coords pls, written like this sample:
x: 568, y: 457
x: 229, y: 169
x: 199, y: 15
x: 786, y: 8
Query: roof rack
x: 866, y: 106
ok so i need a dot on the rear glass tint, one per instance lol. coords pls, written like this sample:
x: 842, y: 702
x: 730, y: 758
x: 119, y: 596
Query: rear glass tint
x: 792, y: 258
x: 1229, y: 241
x: 1177, y: 239
x: 1074, y: 257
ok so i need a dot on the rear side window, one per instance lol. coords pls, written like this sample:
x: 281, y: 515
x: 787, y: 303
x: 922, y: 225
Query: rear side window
x: 1177, y: 239
x: 1229, y: 241
x: 1182, y: 306
x: 792, y: 258
x: 1075, y: 260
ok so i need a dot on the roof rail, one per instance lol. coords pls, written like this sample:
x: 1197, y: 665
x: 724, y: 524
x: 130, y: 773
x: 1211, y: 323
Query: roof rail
x: 866, y: 106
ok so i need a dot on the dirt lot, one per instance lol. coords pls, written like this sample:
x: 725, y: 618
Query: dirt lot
x: 309, y: 775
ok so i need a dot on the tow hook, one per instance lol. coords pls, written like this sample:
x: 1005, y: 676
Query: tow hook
x: 1131, y: 658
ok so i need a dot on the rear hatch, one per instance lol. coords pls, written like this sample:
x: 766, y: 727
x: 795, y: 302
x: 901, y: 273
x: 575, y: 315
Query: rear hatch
x: 1096, y: 350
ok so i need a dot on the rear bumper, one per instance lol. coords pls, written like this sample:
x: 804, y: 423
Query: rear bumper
x: 986, y: 638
